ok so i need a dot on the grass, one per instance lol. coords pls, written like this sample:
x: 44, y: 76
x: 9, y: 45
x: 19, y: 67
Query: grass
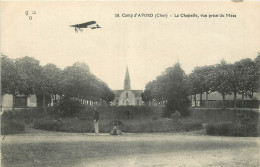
x: 12, y: 126
x: 130, y: 126
x: 228, y: 122
x: 232, y: 129
x: 13, y: 122
x: 223, y: 115
x: 160, y: 126
x: 135, y: 120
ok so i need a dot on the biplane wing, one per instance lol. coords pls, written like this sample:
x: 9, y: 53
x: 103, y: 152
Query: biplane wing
x: 83, y: 25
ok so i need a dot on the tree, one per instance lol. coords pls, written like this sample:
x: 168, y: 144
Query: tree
x: 195, y: 79
x: 248, y: 71
x: 171, y: 86
x: 200, y: 81
x: 50, y: 82
x: 257, y: 66
x: 10, y: 78
x: 252, y: 82
x: 234, y: 79
x: 105, y: 93
x: 77, y: 80
x: 208, y: 80
x: 30, y: 74
x: 221, y: 83
x: 177, y: 92
x: 148, y: 94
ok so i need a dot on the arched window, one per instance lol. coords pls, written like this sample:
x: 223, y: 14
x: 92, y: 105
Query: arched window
x: 126, y: 94
x: 137, y: 102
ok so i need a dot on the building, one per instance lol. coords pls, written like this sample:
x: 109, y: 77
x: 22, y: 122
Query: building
x: 215, y: 100
x: 21, y: 101
x: 127, y: 97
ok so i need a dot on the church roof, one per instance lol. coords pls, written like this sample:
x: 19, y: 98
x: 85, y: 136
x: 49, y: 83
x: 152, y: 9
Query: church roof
x: 127, y: 74
x: 137, y: 93
x: 127, y: 80
x: 117, y: 92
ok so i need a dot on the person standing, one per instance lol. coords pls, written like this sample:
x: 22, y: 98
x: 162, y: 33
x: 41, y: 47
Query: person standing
x: 96, y: 119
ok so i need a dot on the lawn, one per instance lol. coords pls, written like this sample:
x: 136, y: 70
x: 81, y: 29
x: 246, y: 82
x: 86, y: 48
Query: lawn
x: 228, y: 122
x: 135, y: 120
x: 138, y: 120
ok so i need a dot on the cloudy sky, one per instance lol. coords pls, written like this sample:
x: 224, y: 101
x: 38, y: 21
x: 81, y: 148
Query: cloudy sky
x: 147, y: 45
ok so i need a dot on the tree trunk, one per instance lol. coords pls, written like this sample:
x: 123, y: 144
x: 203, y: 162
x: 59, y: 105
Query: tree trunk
x: 26, y: 97
x: 52, y: 97
x: 235, y: 100
x: 13, y: 102
x: 201, y: 99
x: 251, y: 103
x: 195, y: 100
x: 243, y: 96
x: 223, y: 101
x: 207, y: 99
x: 43, y: 102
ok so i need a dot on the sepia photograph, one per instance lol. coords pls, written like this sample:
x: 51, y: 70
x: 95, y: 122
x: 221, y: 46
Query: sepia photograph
x: 130, y: 83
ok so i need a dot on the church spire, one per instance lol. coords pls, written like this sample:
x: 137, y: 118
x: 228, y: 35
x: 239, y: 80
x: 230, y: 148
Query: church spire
x: 127, y: 80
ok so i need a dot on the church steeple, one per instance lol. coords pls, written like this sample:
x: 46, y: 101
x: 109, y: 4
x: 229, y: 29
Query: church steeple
x: 127, y: 80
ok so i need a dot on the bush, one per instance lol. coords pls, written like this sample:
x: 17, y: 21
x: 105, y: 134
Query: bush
x: 68, y: 107
x: 12, y: 126
x: 48, y: 124
x: 74, y: 125
x: 232, y: 129
x: 168, y: 111
x: 176, y: 116
x: 190, y: 125
x: 160, y: 126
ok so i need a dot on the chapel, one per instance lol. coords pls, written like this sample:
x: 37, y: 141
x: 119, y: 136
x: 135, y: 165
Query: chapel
x: 127, y: 96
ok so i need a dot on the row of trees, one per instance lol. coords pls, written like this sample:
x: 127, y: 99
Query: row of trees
x: 25, y: 76
x: 173, y: 87
x: 241, y: 77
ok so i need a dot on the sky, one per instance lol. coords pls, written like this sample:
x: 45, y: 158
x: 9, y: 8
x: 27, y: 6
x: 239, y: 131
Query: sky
x: 146, y: 45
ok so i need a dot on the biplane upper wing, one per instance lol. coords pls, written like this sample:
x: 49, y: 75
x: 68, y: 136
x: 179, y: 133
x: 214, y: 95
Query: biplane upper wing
x: 84, y: 25
x: 87, y: 24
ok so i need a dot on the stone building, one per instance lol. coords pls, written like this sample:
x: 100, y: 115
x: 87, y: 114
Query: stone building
x: 127, y: 97
x: 21, y: 101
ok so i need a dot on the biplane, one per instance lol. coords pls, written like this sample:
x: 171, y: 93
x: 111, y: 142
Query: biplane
x: 90, y: 24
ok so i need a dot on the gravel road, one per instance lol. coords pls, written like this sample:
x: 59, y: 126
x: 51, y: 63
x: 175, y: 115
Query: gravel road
x: 40, y: 148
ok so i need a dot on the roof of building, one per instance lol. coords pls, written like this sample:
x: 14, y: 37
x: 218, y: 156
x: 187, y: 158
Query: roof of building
x: 137, y: 93
x: 127, y: 74
x: 117, y: 92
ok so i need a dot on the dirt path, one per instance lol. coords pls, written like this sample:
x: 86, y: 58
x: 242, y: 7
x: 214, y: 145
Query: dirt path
x: 40, y: 148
